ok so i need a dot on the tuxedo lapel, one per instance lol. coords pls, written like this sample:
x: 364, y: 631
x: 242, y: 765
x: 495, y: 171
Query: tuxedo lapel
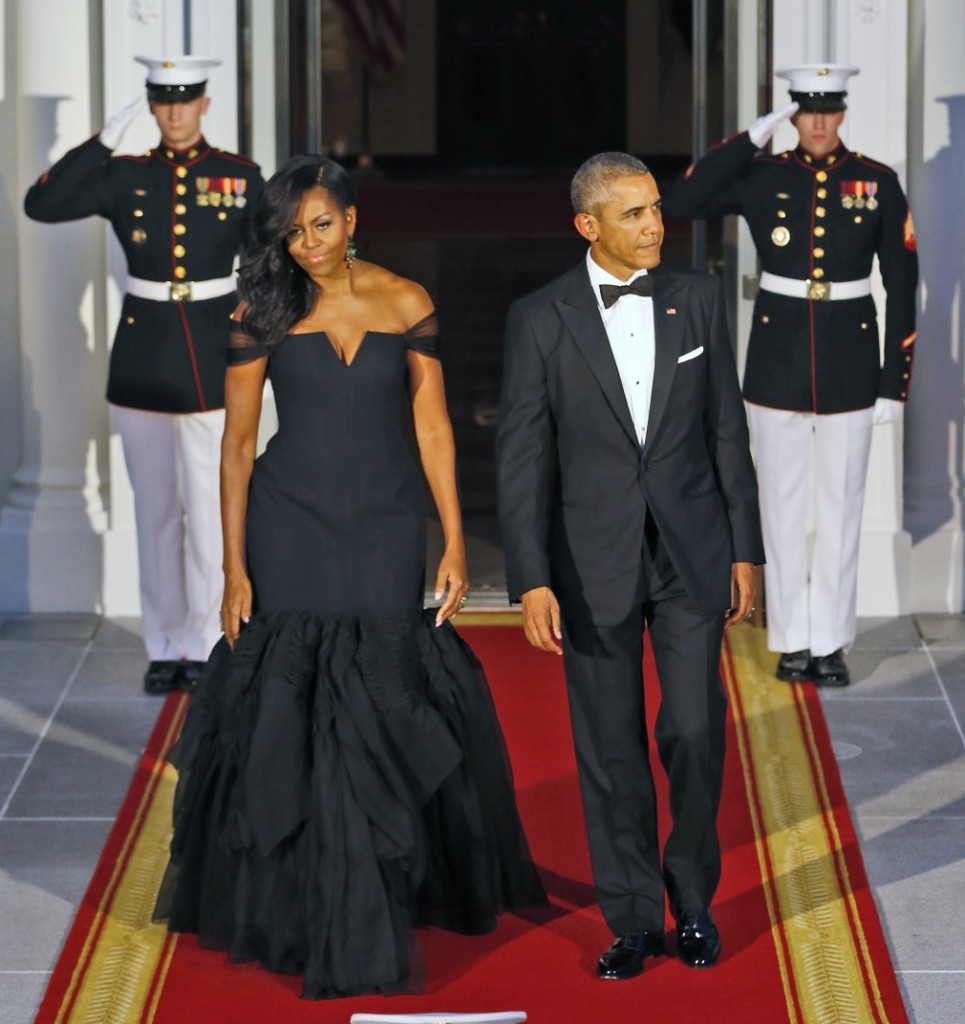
x: 669, y: 318
x: 581, y: 315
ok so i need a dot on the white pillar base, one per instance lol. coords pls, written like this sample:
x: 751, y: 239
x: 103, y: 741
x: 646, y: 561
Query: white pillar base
x: 884, y: 572
x: 121, y: 585
x: 938, y: 572
x: 51, y: 544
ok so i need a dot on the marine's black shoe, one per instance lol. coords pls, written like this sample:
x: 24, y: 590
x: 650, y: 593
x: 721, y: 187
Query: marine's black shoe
x: 794, y: 667
x: 162, y: 677
x: 830, y: 669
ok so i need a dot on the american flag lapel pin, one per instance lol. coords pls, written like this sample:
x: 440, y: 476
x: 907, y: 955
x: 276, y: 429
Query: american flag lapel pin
x: 672, y: 311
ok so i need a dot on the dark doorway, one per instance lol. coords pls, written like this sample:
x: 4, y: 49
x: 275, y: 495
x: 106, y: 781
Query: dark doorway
x: 530, y: 84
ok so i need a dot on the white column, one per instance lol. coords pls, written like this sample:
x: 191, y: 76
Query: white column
x: 874, y: 36
x: 53, y: 518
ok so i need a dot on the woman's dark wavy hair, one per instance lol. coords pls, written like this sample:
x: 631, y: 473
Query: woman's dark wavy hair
x: 278, y: 292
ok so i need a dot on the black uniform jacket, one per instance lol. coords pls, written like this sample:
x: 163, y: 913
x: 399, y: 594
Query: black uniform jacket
x: 574, y: 482
x: 179, y: 216
x: 819, y: 219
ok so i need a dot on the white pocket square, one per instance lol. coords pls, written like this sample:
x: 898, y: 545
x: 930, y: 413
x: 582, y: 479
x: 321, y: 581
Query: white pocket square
x: 692, y: 354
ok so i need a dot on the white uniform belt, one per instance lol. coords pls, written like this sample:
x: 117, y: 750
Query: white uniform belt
x: 819, y: 290
x: 180, y: 291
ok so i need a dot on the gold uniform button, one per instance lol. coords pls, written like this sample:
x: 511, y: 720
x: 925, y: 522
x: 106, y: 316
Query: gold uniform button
x: 182, y: 172
x: 192, y: 154
x: 820, y: 211
x: 169, y: 154
x: 180, y: 209
x: 857, y: 219
x: 180, y: 189
x: 138, y: 213
x: 819, y: 231
x: 781, y: 215
x: 904, y: 376
x: 818, y: 254
x: 821, y: 175
x: 822, y: 193
x: 864, y: 327
x: 765, y: 319
x: 180, y: 273
x: 817, y: 273
x: 179, y: 251
x: 222, y: 215
x: 807, y: 157
x: 179, y: 229
x: 130, y: 319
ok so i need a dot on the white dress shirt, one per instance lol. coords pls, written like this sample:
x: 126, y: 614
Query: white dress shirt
x: 629, y: 326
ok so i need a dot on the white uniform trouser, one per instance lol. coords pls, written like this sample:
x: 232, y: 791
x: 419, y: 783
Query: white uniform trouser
x: 815, y: 609
x: 173, y: 461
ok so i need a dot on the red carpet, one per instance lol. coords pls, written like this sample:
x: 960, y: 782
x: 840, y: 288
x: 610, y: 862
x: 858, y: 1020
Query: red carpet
x: 802, y: 941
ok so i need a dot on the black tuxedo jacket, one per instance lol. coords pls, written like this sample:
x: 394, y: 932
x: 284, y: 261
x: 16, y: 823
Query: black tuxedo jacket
x: 574, y: 483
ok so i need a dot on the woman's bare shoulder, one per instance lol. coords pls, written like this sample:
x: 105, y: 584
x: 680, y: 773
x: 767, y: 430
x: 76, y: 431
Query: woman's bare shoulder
x: 406, y: 298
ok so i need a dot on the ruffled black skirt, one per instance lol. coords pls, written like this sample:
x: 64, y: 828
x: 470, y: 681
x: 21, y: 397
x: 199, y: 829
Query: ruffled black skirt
x: 341, y: 780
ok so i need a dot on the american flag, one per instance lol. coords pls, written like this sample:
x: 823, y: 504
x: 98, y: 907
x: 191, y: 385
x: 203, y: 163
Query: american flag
x: 380, y: 30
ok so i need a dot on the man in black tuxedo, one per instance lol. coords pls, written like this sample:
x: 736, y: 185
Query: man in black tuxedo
x: 627, y: 502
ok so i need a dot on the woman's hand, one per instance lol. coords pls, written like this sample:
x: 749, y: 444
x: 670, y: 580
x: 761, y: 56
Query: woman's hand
x: 235, y: 605
x: 452, y: 574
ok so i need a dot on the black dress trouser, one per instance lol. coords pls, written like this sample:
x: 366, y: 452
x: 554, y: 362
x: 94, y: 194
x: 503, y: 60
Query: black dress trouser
x: 604, y: 676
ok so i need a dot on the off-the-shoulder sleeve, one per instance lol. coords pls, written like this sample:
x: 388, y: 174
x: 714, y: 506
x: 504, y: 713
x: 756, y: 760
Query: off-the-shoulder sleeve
x: 423, y: 336
x: 244, y: 347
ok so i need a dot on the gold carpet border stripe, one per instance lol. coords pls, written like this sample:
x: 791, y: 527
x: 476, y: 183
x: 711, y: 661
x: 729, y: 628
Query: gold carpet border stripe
x: 760, y: 845
x: 804, y: 863
x: 831, y: 824
x: 123, y: 948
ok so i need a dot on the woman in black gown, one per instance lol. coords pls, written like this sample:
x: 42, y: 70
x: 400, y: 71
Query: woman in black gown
x: 342, y: 776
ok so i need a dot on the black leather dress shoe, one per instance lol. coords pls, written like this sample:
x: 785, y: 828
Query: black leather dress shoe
x: 830, y: 669
x: 191, y: 673
x: 794, y: 667
x: 624, y: 959
x: 698, y: 941
x: 162, y: 677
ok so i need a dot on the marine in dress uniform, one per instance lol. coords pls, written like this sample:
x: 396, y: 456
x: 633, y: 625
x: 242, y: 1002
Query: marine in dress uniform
x: 814, y: 377
x: 179, y: 212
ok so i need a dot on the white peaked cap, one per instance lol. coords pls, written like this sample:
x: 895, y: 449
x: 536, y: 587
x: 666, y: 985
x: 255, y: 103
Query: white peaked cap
x: 818, y: 78
x: 181, y: 70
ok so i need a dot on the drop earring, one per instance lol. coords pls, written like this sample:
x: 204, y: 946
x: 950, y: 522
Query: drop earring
x: 350, y: 252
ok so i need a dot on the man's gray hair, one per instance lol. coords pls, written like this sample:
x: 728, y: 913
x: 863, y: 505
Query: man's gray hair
x: 590, y: 187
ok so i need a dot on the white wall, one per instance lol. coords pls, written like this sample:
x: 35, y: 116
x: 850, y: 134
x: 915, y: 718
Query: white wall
x: 934, y: 448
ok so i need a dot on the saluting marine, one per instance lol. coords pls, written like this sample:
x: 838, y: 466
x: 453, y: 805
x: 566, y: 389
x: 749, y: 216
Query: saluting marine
x: 814, y: 376
x: 179, y: 212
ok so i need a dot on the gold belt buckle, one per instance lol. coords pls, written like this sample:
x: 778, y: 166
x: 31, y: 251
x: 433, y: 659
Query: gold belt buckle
x: 179, y: 291
x: 819, y: 290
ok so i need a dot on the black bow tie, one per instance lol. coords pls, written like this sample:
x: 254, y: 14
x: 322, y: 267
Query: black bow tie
x: 609, y: 293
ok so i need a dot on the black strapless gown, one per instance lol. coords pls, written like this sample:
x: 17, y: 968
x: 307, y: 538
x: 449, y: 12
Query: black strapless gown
x: 342, y: 773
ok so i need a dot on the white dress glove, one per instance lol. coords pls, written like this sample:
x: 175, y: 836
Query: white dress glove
x: 887, y: 410
x: 765, y: 126
x: 112, y: 131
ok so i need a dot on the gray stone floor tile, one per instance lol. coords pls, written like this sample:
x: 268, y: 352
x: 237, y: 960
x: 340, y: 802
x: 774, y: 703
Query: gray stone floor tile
x: 912, y: 762
x: 934, y: 998
x: 938, y: 629
x: 951, y: 669
x: 122, y: 631
x: 10, y: 768
x: 20, y: 996
x: 915, y: 868
x: 32, y: 680
x: 115, y: 674
x: 887, y: 634
x: 887, y: 673
x: 44, y: 871
x: 86, y: 762
x: 76, y: 627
